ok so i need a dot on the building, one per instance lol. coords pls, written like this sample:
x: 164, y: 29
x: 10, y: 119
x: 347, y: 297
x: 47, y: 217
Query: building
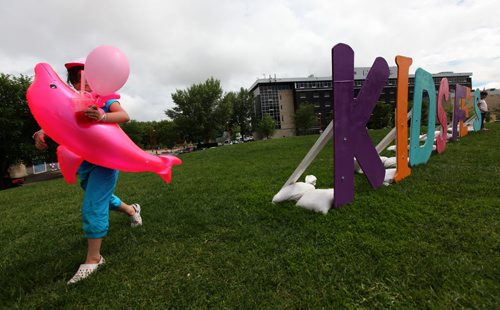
x: 280, y: 97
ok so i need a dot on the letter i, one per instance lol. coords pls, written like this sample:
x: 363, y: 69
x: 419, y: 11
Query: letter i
x: 402, y: 169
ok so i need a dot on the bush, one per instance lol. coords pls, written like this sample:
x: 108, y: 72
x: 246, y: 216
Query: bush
x: 382, y: 116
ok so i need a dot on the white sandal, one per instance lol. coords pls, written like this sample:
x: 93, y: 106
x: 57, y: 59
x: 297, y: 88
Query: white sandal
x: 136, y: 219
x: 85, y: 270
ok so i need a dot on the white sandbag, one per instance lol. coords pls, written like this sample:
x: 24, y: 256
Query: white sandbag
x: 318, y: 200
x: 292, y: 192
x: 311, y: 179
x: 360, y: 171
x: 389, y: 176
x: 383, y: 159
x: 390, y: 162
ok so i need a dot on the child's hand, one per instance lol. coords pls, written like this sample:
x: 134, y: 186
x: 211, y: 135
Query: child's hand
x: 94, y: 113
x: 39, y: 138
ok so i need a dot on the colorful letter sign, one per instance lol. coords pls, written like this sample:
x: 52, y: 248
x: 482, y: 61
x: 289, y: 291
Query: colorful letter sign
x: 351, y: 139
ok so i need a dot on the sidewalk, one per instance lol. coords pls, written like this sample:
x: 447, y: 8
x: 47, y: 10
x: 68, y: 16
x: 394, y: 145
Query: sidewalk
x: 49, y: 175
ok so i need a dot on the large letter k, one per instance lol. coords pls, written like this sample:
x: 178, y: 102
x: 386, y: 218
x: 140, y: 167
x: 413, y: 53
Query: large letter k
x: 351, y: 137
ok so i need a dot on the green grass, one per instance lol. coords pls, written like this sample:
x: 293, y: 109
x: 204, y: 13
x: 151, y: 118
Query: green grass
x: 213, y: 239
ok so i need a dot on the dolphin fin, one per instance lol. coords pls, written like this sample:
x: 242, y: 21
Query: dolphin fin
x: 169, y: 161
x: 69, y: 163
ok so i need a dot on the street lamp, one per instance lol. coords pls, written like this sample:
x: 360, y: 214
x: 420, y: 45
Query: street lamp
x: 320, y: 123
x: 152, y: 138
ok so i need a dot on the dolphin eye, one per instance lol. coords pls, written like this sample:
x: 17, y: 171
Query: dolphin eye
x: 53, y: 86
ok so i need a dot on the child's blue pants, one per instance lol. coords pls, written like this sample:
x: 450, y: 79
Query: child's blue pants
x: 98, y: 184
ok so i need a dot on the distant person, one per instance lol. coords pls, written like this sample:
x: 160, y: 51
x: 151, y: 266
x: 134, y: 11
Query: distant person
x: 483, y: 107
x: 97, y: 182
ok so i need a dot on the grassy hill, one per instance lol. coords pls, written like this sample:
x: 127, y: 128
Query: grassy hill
x: 212, y: 238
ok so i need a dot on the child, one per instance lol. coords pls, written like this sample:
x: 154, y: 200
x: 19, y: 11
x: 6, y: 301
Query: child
x: 97, y: 182
x: 483, y: 107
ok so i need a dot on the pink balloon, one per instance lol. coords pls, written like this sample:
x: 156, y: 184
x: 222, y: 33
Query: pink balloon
x: 106, y: 70
x: 52, y: 103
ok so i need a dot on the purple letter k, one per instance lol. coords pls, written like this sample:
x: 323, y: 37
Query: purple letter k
x: 351, y: 137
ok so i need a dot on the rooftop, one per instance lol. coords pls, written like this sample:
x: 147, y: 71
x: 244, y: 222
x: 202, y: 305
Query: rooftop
x: 360, y: 73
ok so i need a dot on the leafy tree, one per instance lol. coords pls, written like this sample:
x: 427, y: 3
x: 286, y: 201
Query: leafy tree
x: 382, y: 116
x: 167, y: 133
x: 152, y: 134
x: 328, y: 119
x: 305, y: 118
x: 149, y: 135
x: 16, y: 125
x: 242, y: 109
x: 266, y: 126
x: 235, y: 130
x: 222, y: 116
x: 134, y: 130
x: 198, y: 113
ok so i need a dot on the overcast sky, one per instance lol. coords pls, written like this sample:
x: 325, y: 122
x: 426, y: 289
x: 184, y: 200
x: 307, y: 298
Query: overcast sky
x: 174, y: 44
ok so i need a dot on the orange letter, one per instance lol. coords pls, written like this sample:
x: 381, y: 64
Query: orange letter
x: 402, y: 169
x: 463, y: 128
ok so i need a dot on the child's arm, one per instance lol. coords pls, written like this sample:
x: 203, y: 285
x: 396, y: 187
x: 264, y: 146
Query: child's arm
x: 116, y: 115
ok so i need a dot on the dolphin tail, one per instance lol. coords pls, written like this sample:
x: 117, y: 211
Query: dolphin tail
x: 169, y: 161
x: 69, y: 163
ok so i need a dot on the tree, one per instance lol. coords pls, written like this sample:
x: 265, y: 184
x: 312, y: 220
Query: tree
x: 266, y: 126
x: 222, y: 115
x: 167, y: 133
x: 242, y: 109
x: 134, y: 130
x: 382, y: 116
x: 198, y: 113
x: 305, y: 118
x: 17, y: 125
x: 235, y: 130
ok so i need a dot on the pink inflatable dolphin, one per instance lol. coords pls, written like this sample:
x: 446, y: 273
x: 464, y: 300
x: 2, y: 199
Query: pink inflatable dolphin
x: 79, y: 138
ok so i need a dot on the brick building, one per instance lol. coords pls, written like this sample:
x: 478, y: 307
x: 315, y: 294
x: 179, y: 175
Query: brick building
x: 280, y: 97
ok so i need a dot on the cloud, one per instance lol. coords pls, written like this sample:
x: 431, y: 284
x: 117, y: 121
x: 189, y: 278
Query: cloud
x: 174, y: 44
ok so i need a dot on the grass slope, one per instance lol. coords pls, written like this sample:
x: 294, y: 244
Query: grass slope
x: 213, y: 239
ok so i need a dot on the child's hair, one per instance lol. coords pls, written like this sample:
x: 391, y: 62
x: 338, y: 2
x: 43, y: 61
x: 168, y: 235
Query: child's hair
x: 483, y: 94
x: 74, y: 74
